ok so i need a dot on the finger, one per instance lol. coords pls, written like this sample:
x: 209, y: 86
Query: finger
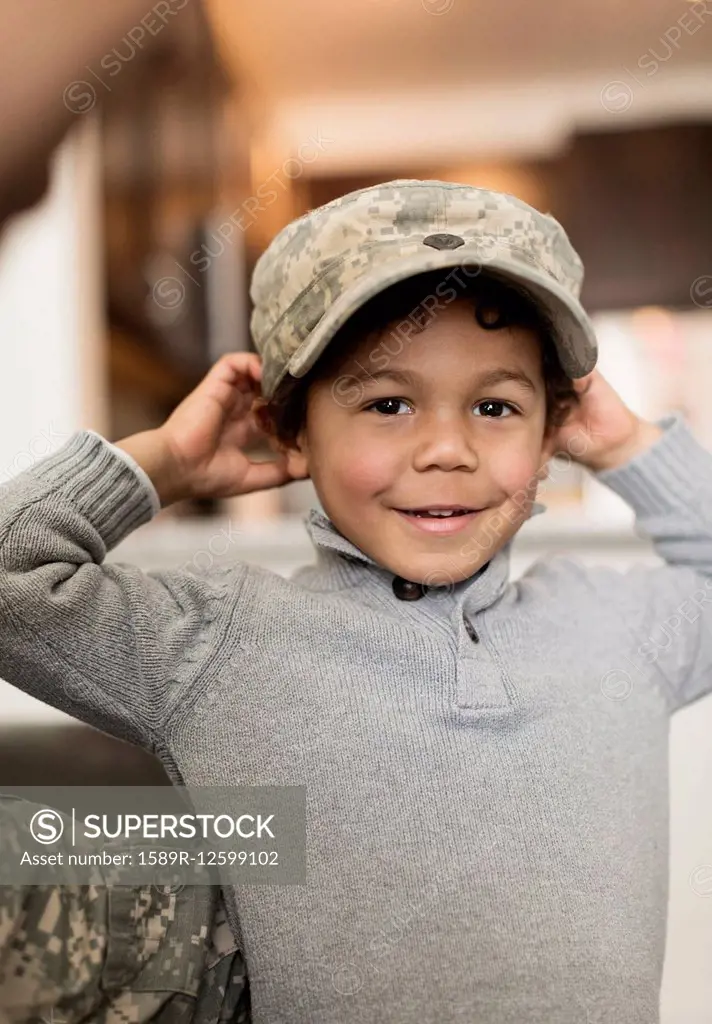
x: 247, y: 366
x: 229, y: 383
x: 237, y: 369
x: 582, y: 384
x: 260, y: 476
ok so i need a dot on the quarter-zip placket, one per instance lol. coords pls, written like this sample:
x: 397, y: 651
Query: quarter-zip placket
x: 480, y: 687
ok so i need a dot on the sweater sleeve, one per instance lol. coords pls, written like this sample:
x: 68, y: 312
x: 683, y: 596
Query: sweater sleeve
x: 669, y: 487
x: 105, y: 642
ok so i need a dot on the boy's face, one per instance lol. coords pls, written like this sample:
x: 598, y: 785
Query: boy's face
x: 375, y: 445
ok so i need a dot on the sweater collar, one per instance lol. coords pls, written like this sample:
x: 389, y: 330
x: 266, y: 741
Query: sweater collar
x: 337, y: 554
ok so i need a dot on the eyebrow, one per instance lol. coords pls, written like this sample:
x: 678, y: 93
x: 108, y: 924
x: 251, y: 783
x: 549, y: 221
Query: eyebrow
x: 504, y: 376
x: 487, y: 380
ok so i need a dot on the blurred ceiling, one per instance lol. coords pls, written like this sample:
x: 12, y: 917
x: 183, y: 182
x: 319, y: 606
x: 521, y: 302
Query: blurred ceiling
x: 395, y: 82
x: 310, y: 47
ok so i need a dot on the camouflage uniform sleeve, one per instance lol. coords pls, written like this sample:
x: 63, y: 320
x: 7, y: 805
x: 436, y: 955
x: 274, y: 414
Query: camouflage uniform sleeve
x: 225, y: 991
x: 192, y: 974
x: 114, y: 954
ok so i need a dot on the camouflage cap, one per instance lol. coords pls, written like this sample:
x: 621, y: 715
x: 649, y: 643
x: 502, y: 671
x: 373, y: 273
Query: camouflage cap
x: 326, y: 264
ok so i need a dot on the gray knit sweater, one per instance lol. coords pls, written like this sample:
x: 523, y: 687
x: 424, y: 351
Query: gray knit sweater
x: 486, y: 767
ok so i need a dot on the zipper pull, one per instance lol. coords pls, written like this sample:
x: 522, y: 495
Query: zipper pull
x: 471, y: 631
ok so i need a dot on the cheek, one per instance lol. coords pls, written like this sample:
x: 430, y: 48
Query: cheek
x: 367, y: 472
x: 515, y: 472
x: 358, y: 471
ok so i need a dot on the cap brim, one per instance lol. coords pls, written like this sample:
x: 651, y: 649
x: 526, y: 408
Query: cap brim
x: 574, y: 335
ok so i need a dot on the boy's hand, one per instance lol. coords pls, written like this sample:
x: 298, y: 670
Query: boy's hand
x: 198, y: 452
x: 602, y: 432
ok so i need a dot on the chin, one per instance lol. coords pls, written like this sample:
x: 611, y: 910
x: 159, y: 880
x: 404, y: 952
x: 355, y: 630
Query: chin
x: 432, y: 575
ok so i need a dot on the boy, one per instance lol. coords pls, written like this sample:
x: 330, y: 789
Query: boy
x: 486, y: 827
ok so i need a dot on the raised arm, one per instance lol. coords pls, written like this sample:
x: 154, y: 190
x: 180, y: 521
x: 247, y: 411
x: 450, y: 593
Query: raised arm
x: 108, y: 643
x: 668, y: 483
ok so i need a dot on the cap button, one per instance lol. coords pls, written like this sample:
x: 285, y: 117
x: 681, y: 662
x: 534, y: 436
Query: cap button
x: 407, y: 590
x: 444, y: 241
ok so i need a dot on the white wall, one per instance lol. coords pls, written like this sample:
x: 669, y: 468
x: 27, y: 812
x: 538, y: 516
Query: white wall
x: 52, y: 346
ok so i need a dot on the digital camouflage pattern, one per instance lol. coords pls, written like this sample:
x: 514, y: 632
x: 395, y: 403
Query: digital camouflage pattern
x: 323, y: 266
x: 114, y: 954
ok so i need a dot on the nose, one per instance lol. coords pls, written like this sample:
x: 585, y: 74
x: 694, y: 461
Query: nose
x: 445, y: 442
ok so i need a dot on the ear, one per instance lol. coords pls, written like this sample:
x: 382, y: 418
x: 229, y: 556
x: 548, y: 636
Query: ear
x: 297, y: 456
x: 548, y: 451
x: 550, y: 442
x: 297, y: 461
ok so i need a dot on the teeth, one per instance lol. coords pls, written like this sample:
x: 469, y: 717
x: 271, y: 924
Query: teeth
x: 438, y: 513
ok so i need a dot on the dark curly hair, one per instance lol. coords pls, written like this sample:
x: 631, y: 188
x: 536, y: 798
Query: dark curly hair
x: 496, y: 303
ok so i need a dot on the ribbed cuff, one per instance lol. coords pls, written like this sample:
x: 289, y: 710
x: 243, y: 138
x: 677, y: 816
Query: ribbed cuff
x: 100, y: 483
x: 673, y: 474
x: 139, y: 470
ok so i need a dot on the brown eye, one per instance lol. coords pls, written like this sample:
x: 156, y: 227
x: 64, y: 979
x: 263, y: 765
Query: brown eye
x: 489, y: 317
x: 385, y: 401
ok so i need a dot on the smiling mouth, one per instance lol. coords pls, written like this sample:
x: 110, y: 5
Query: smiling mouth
x: 436, y: 513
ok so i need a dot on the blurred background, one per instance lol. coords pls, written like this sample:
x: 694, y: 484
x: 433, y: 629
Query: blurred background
x: 201, y: 134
